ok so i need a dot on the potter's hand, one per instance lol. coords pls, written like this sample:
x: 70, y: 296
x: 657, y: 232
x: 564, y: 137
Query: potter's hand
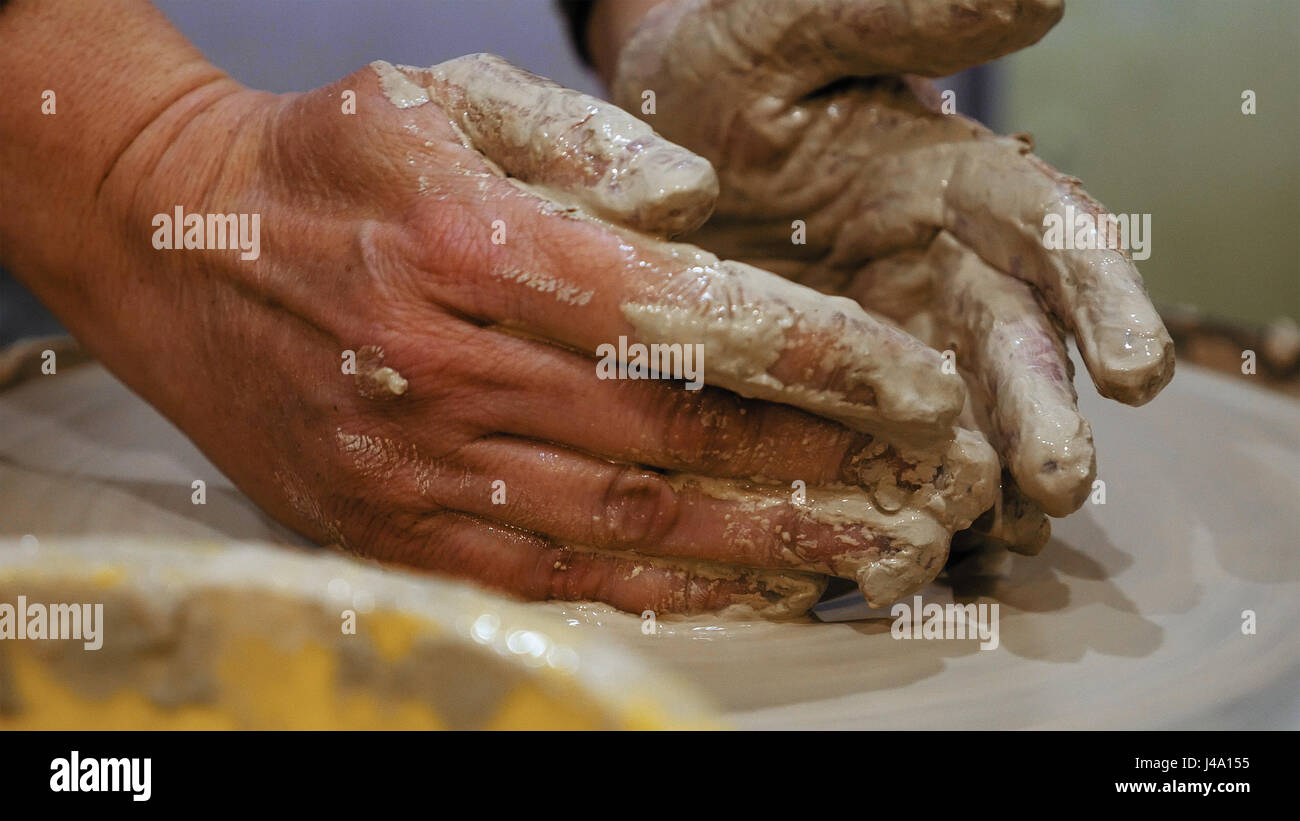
x: 808, y: 111
x: 402, y: 364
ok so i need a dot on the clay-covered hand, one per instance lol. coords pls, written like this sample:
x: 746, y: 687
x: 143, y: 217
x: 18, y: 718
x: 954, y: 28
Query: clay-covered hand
x: 839, y: 170
x: 407, y: 369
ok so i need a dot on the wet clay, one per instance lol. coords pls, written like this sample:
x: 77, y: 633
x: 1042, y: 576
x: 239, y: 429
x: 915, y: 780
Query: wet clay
x: 919, y: 480
x: 583, y: 151
x: 928, y: 219
x: 374, y: 379
x: 784, y: 155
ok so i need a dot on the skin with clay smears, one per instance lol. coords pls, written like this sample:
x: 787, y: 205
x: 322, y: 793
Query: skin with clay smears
x: 621, y: 172
x: 928, y: 219
x: 374, y: 379
x: 892, y: 525
x: 894, y: 522
x: 489, y: 233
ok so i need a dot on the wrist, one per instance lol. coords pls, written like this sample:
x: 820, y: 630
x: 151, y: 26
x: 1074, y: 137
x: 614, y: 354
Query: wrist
x: 87, y: 86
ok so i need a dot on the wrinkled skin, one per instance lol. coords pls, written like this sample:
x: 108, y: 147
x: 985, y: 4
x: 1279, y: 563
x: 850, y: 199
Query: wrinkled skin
x: 473, y: 358
x: 811, y: 111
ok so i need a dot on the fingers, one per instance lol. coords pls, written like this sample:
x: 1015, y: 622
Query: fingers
x: 535, y: 568
x: 573, y: 498
x: 826, y: 528
x: 766, y: 337
x: 618, y: 295
x: 1019, y: 358
x: 889, y: 532
x: 1015, y: 523
x: 1012, y: 354
x: 925, y: 171
x: 504, y: 256
x: 734, y: 523
x: 576, y: 499
x: 890, y: 536
x: 790, y: 49
x: 1096, y: 291
x: 578, y: 148
x: 529, y: 391
x: 657, y: 423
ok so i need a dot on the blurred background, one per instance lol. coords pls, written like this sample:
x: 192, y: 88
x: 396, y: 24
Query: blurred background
x: 1142, y: 99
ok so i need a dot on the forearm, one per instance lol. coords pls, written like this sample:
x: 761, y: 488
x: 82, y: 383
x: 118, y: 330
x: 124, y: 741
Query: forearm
x: 89, y: 88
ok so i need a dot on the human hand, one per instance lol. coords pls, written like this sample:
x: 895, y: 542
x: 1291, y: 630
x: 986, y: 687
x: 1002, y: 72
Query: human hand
x: 811, y: 111
x: 474, y: 437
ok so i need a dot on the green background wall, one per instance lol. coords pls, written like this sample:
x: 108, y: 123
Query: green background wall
x: 1142, y: 100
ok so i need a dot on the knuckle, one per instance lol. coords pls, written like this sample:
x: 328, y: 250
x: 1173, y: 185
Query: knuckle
x: 638, y: 508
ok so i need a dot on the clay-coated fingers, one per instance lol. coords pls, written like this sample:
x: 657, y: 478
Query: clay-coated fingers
x: 629, y: 299
x: 766, y: 337
x: 551, y: 394
x: 790, y: 48
x: 928, y: 171
x: 716, y: 433
x: 528, y: 389
x: 573, y: 498
x: 1003, y: 202
x: 579, y: 148
x: 833, y: 530
x: 888, y: 554
x: 888, y: 547
x: 1015, y: 523
x: 1012, y: 354
x: 1018, y: 357
x: 532, y: 567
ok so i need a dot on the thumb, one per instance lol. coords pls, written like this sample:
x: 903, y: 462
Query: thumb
x: 580, y: 149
